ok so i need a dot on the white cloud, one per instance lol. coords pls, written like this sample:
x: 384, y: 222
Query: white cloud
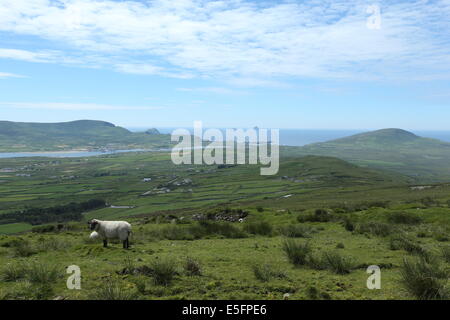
x: 72, y: 106
x: 258, y: 42
x: 10, y: 75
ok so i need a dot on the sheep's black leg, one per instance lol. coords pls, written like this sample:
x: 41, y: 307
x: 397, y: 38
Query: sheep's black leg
x: 105, y: 243
x: 126, y: 244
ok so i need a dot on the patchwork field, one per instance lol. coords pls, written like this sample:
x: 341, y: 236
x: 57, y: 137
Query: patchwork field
x: 205, y: 232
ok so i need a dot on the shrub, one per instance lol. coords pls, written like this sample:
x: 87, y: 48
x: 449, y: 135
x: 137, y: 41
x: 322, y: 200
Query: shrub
x: 375, y: 228
x: 404, y: 218
x: 176, y: 233
x: 225, y: 229
x: 320, y: 215
x: 349, y: 225
x: 112, y: 290
x: 163, y: 271
x: 262, y: 228
x: 192, y: 267
x: 337, y: 263
x: 340, y: 245
x: 266, y: 272
x: 424, y: 279
x: 296, y: 231
x: 260, y: 209
x: 297, y: 252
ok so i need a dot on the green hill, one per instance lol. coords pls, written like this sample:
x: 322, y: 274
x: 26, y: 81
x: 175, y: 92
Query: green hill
x: 82, y: 134
x: 393, y: 149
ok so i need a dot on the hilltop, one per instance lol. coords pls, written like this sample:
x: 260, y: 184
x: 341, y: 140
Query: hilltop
x: 81, y: 134
x: 393, y: 149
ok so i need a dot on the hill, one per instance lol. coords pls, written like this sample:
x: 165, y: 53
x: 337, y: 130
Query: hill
x: 81, y: 134
x: 347, y: 218
x: 393, y: 149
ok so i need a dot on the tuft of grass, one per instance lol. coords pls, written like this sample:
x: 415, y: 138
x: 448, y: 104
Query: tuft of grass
x: 262, y: 228
x: 425, y: 279
x: 296, y: 231
x: 446, y: 253
x: 13, y: 272
x: 52, y: 244
x: 23, y: 248
x: 267, y: 272
x: 337, y: 262
x: 297, y: 252
x: 112, y: 290
x: 163, y: 271
x: 192, y: 267
x: 42, y: 273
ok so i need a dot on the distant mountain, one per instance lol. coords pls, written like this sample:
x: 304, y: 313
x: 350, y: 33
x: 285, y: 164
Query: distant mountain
x: 82, y: 134
x: 393, y: 149
x: 152, y: 131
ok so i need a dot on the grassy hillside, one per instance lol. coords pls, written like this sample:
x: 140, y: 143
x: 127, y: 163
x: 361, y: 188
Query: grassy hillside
x: 188, y: 242
x: 392, y: 149
x: 83, y: 134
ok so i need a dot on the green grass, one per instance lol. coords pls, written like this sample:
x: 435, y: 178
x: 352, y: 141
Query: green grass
x: 268, y: 254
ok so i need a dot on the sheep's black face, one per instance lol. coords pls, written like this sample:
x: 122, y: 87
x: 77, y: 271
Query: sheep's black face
x: 92, y: 224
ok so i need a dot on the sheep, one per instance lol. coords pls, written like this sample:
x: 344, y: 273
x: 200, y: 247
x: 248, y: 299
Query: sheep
x: 111, y: 230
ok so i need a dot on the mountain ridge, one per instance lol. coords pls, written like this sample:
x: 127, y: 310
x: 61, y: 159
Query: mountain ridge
x: 78, y: 134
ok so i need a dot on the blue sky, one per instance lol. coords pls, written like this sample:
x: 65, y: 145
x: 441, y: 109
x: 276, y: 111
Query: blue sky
x: 277, y: 64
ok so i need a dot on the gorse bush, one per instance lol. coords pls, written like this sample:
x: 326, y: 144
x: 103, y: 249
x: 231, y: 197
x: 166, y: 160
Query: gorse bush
x: 297, y: 252
x: 296, y: 231
x: 404, y: 218
x: 266, y: 272
x: 425, y: 279
x: 262, y: 228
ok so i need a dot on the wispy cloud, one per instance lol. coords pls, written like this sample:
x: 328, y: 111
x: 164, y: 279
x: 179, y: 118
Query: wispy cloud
x: 72, y: 106
x: 216, y: 90
x: 238, y: 39
x: 10, y: 75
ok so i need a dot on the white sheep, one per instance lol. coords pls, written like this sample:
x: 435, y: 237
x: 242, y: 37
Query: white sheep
x: 111, y: 230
